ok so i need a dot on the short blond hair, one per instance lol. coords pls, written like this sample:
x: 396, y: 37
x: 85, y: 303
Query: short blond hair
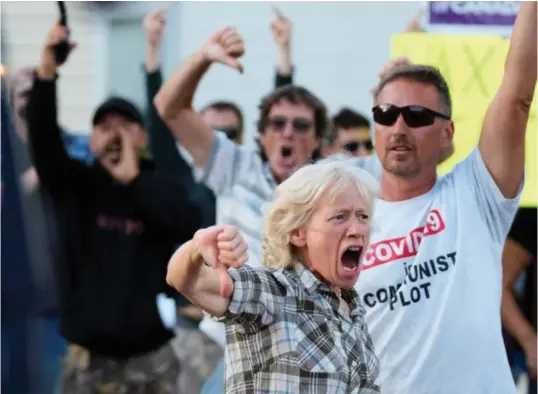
x: 296, y: 199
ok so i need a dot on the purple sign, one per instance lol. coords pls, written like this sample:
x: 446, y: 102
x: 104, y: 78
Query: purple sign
x: 493, y: 13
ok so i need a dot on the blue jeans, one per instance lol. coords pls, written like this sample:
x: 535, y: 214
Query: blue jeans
x: 215, y: 383
x: 53, y: 347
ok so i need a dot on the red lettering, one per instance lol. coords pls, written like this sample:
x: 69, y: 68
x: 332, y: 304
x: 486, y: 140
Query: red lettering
x: 127, y: 226
x: 389, y: 250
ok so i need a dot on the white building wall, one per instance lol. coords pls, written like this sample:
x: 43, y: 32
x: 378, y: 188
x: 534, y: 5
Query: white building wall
x: 24, y: 29
x: 338, y: 48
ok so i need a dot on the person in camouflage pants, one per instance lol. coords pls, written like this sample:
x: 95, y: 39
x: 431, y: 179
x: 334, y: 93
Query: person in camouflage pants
x: 152, y: 373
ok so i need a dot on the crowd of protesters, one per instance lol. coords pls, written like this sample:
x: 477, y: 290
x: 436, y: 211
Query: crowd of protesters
x: 90, y: 225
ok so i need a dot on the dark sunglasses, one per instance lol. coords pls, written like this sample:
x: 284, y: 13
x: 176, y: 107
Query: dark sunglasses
x: 353, y: 146
x: 414, y: 115
x: 300, y: 125
x: 230, y: 132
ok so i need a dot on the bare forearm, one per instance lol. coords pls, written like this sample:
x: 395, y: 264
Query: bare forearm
x: 513, y: 320
x: 177, y: 93
x: 520, y: 66
x: 200, y: 284
x: 284, y: 65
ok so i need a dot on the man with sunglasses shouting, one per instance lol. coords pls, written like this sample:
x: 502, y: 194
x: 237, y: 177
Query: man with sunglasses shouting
x: 290, y: 127
x: 431, y: 277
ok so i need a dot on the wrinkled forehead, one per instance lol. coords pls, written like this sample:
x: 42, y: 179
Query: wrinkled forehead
x: 343, y: 195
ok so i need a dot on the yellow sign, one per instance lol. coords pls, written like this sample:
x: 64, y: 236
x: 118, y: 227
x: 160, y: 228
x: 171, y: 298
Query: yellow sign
x: 473, y: 67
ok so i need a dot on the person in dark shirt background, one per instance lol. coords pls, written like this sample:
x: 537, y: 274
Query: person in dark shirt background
x: 119, y: 221
x: 518, y: 311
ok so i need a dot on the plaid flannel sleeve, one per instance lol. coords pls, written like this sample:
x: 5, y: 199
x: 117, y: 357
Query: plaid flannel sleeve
x: 256, y: 298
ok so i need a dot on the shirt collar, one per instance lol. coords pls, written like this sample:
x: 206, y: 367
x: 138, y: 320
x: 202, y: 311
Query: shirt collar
x: 313, y: 284
x: 269, y: 175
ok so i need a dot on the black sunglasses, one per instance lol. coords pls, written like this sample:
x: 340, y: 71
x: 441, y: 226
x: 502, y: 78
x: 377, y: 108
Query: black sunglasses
x: 353, y: 146
x: 414, y: 115
x: 300, y: 125
x: 230, y: 132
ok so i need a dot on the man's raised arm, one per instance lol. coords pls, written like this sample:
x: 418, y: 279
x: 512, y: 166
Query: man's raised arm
x: 502, y: 143
x: 174, y: 100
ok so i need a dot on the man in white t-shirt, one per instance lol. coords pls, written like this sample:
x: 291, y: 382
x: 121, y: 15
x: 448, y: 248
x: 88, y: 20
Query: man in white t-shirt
x: 431, y: 280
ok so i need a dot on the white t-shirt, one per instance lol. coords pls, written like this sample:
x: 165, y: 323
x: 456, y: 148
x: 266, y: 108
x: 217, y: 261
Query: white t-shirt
x: 431, y: 285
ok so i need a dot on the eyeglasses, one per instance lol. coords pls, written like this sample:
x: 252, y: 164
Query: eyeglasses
x: 414, y: 115
x: 353, y: 146
x: 300, y: 125
x: 230, y: 132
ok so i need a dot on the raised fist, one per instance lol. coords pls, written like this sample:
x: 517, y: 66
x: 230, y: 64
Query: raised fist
x: 225, y: 47
x: 154, y: 24
x: 48, y: 64
x: 281, y: 28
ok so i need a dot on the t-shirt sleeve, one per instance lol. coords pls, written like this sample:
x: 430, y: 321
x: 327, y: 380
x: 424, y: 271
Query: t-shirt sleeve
x: 228, y: 164
x: 497, y: 211
x: 255, y: 300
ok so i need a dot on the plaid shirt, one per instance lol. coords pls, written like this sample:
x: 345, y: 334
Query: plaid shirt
x: 244, y: 185
x: 287, y: 332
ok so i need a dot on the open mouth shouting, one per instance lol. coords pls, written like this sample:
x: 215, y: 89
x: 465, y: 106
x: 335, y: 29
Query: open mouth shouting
x: 287, y: 156
x: 350, y: 259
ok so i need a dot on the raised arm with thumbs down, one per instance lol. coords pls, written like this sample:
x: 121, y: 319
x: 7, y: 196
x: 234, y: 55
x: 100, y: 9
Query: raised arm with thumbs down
x: 199, y: 268
x: 225, y: 46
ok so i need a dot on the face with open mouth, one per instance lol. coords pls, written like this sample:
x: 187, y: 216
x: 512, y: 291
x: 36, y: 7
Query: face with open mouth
x: 289, y: 138
x: 333, y: 243
x: 409, y: 140
x: 106, y: 141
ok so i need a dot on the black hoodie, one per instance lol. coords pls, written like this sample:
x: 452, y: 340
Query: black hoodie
x: 116, y: 240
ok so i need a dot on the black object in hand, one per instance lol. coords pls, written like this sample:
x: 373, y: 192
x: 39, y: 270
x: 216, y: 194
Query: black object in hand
x: 61, y: 51
x: 62, y: 48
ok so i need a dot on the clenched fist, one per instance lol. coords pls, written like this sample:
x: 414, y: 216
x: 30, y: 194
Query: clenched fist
x: 48, y: 66
x: 154, y: 24
x: 281, y: 29
x: 222, y: 247
x: 225, y: 47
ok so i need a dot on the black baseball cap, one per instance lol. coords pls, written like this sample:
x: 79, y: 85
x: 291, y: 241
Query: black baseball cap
x: 119, y: 106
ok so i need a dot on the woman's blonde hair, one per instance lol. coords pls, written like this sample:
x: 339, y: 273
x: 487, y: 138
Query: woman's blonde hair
x: 296, y: 199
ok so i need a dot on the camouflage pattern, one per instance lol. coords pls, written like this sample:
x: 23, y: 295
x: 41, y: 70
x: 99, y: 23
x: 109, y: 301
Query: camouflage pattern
x: 198, y: 356
x: 152, y: 373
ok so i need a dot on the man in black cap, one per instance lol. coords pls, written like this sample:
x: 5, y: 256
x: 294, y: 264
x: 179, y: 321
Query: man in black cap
x: 119, y: 224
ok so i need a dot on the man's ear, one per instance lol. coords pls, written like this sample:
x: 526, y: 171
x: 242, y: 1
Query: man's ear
x: 298, y: 238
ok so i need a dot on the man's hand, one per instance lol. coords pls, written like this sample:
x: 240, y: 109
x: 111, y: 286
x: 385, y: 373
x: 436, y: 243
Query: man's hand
x: 281, y: 27
x: 415, y: 24
x: 126, y: 169
x: 222, y: 247
x: 47, y: 68
x: 225, y: 47
x: 154, y: 24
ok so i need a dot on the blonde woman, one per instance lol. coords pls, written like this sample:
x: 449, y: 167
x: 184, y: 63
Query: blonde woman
x: 295, y: 325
